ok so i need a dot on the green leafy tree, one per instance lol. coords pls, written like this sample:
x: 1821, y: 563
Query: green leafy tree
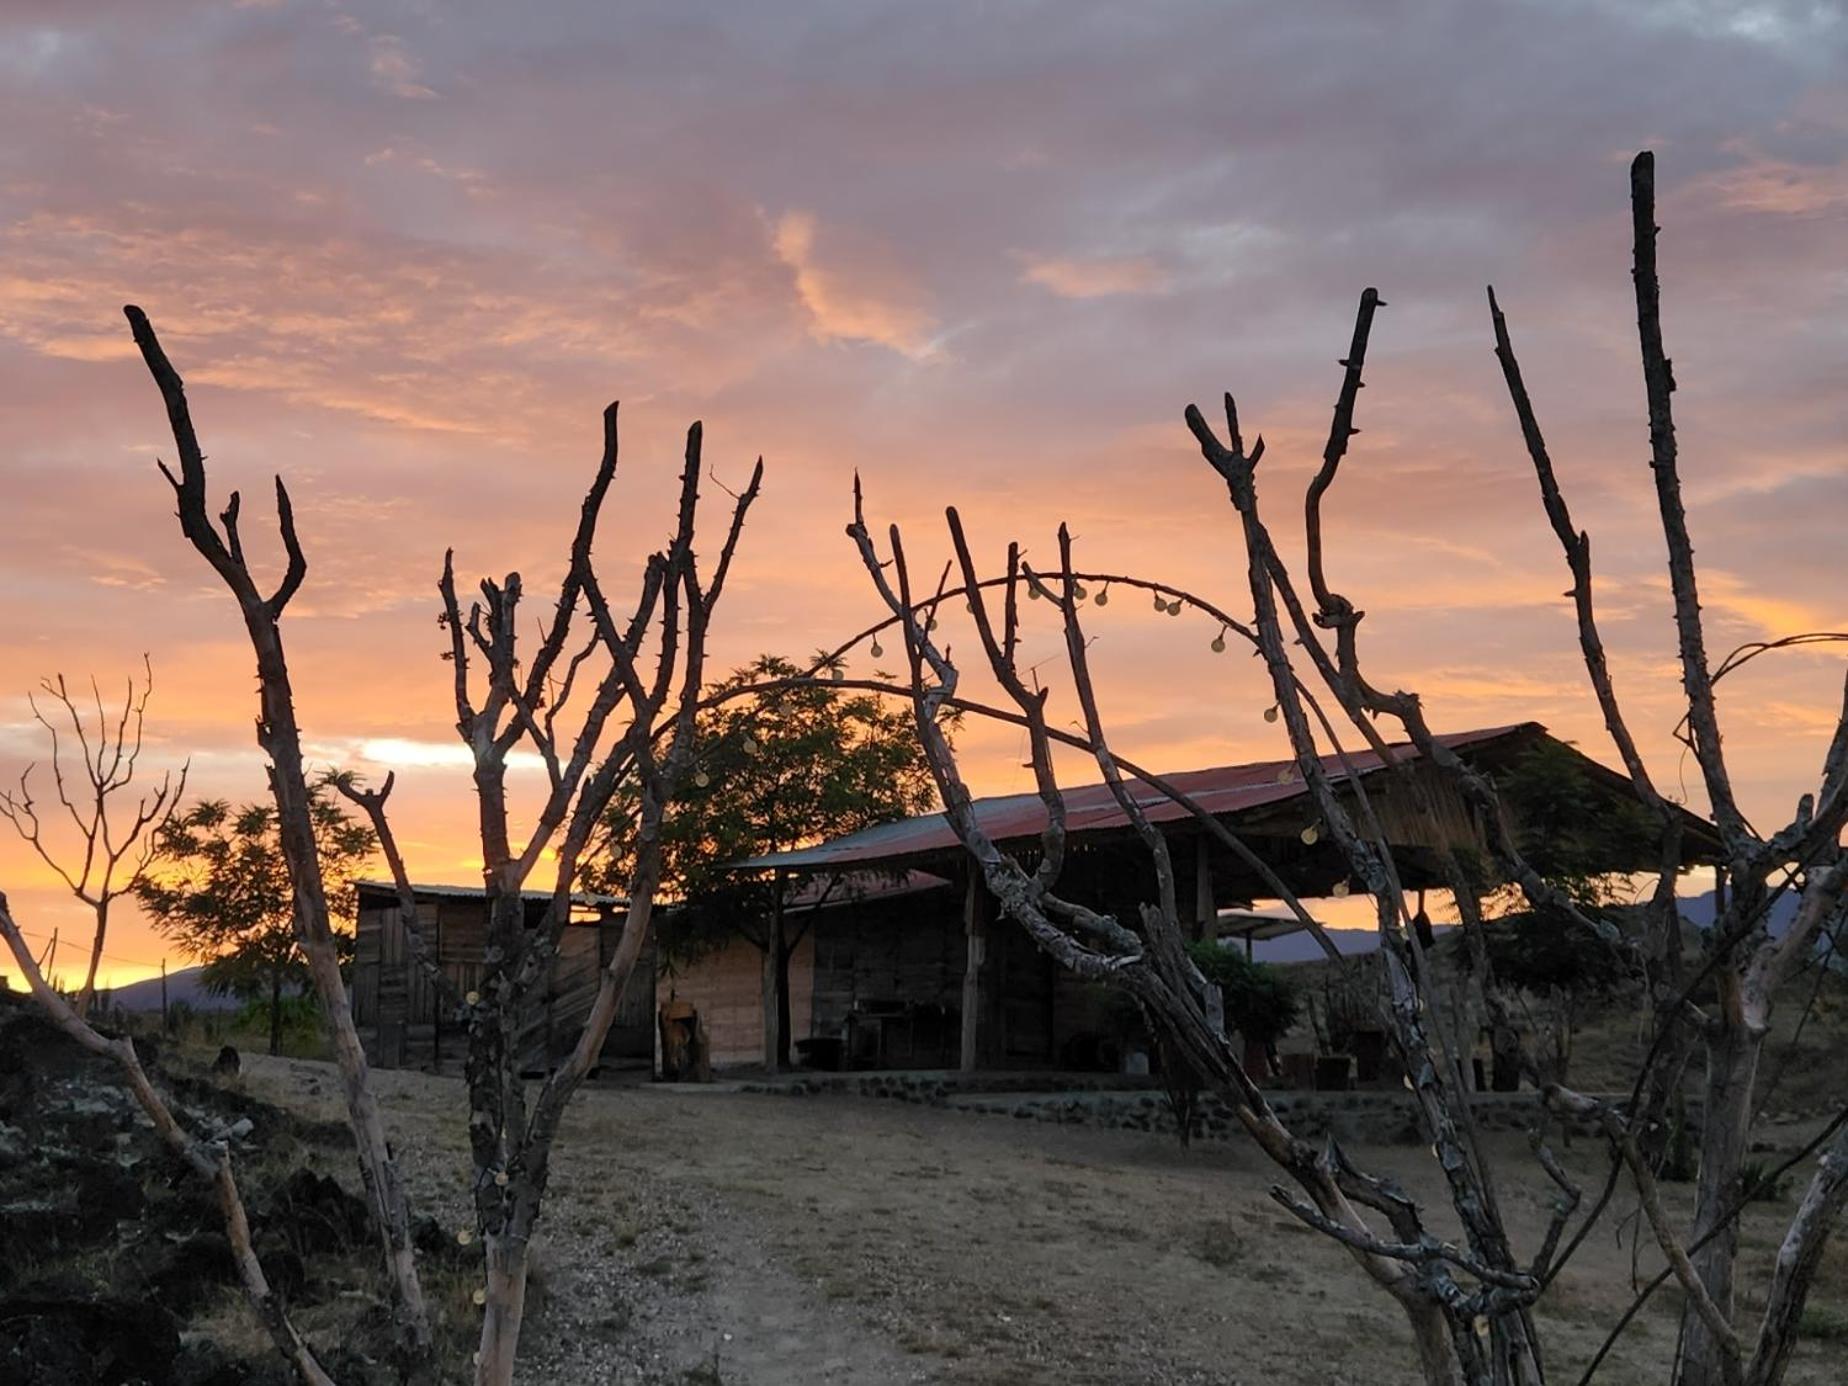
x: 1262, y: 1000
x: 220, y: 890
x: 1567, y: 827
x: 776, y: 771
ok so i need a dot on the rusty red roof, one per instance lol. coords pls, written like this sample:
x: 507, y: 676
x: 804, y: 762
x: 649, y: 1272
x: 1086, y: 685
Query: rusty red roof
x: 1223, y: 790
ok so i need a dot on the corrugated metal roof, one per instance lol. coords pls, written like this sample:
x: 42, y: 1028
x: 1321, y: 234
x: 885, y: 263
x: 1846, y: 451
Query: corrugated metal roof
x: 1223, y: 790
x: 456, y: 892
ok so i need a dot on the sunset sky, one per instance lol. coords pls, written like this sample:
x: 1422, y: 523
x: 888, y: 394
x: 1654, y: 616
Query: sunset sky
x: 405, y: 253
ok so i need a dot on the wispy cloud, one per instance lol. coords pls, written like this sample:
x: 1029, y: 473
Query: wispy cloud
x: 1098, y: 278
x: 857, y: 299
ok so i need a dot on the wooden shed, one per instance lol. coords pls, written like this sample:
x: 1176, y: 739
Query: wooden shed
x: 906, y: 963
x: 397, y: 1009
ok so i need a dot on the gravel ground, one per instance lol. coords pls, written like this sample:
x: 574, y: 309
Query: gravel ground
x: 727, y: 1237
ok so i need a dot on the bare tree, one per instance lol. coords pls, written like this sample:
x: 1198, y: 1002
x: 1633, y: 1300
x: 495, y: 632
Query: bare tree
x: 1447, y: 1292
x: 115, y: 853
x: 1744, y: 961
x: 279, y: 735
x: 634, y: 727
x: 210, y: 1160
x: 1468, y: 1304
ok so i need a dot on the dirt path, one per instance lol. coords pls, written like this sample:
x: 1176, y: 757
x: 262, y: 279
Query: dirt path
x: 759, y: 1241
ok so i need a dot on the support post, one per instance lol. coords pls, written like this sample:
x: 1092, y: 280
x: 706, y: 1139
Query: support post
x: 975, y: 936
x: 1205, y: 911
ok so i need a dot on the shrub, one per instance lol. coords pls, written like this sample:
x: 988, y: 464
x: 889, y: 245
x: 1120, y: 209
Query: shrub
x: 1262, y: 1001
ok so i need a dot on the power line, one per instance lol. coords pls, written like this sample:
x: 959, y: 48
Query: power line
x: 112, y: 957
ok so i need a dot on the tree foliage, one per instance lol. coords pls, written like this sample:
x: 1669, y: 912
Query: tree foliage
x: 220, y: 890
x: 1262, y: 1001
x: 1567, y: 826
x: 776, y: 771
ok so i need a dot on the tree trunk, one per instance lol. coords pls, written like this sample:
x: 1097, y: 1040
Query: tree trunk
x: 1437, y: 1360
x: 1798, y: 1259
x: 275, y: 1009
x: 505, y: 1308
x: 1732, y: 1066
x: 773, y: 1006
x: 88, y: 994
x: 784, y: 1029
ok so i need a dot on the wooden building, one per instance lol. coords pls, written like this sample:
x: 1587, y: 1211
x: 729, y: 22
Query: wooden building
x: 397, y: 1010
x: 904, y: 965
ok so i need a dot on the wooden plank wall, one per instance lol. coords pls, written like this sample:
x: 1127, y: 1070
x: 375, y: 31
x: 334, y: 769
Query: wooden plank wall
x: 727, y: 988
x: 403, y: 1025
x: 900, y: 958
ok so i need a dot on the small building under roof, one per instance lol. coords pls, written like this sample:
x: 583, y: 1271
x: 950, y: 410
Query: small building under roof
x: 901, y: 965
x: 402, y: 1020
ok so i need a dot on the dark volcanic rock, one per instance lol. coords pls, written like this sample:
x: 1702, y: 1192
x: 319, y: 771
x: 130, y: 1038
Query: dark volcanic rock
x: 108, y: 1342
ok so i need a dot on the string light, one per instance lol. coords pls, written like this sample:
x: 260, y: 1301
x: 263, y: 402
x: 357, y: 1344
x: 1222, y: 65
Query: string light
x: 1219, y: 641
x: 1174, y: 607
x: 701, y: 779
x: 839, y: 673
x: 1103, y: 597
x: 1341, y: 890
x: 1160, y: 605
x: 1271, y: 713
x: 877, y: 649
x: 1310, y: 834
x: 750, y: 745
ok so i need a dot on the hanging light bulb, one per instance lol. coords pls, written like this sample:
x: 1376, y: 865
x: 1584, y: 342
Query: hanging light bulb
x: 877, y: 649
x: 750, y: 745
x: 931, y: 624
x: 839, y: 673
x: 1271, y: 713
x: 701, y: 778
x: 1103, y: 597
x: 1160, y: 603
x: 1285, y: 775
x: 1033, y: 592
x: 1341, y: 890
x: 1219, y: 643
x: 1174, y: 608
x: 1078, y: 591
x: 1310, y: 835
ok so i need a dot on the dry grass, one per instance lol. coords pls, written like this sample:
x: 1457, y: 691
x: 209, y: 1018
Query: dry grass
x: 775, y: 1240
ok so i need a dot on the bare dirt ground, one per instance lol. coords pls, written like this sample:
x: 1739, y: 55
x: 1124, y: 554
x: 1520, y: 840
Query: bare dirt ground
x: 767, y: 1241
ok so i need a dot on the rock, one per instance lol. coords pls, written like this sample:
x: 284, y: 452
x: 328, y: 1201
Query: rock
x: 180, y: 1272
x: 315, y: 1213
x: 64, y: 1341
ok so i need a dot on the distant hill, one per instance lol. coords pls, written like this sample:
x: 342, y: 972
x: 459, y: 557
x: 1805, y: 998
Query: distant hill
x: 1698, y: 910
x: 1302, y: 947
x: 186, y: 985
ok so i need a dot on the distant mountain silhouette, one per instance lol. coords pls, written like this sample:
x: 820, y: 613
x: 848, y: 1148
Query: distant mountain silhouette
x: 186, y: 985
x: 1698, y: 910
x: 1301, y: 947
